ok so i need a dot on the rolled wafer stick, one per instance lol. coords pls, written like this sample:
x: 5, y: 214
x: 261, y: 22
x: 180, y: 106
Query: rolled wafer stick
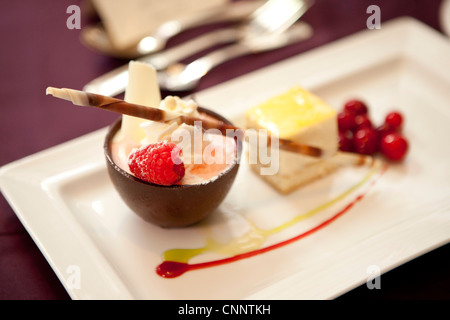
x: 86, y: 99
x: 353, y: 159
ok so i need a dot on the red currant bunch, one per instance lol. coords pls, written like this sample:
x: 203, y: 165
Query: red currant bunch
x: 357, y: 132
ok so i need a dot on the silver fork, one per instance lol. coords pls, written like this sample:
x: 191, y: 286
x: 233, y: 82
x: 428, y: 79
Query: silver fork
x: 270, y: 28
x: 180, y: 77
x: 275, y: 16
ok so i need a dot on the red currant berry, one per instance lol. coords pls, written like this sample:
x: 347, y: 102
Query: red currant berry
x: 394, y: 120
x: 356, y: 107
x: 383, y: 130
x: 346, y: 141
x: 346, y: 121
x: 362, y: 121
x: 394, y: 146
x: 365, y: 141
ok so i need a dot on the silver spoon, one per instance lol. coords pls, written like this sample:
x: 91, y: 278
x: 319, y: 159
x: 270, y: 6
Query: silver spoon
x: 96, y: 37
x: 180, y: 77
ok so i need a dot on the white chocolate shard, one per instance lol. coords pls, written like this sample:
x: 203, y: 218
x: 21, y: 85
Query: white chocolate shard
x: 143, y: 89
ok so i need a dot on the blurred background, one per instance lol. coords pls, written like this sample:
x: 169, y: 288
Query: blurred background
x: 39, y: 50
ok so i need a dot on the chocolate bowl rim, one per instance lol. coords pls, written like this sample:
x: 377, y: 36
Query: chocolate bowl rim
x: 112, y: 130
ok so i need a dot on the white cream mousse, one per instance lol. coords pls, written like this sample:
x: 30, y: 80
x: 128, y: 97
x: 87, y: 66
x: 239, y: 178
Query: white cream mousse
x: 205, y: 154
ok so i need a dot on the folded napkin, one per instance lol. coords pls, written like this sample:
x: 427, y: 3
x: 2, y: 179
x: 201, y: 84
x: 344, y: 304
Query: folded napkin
x: 126, y: 22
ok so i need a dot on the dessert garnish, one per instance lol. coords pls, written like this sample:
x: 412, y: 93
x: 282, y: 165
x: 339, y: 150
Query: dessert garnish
x: 82, y: 98
x: 356, y: 107
x: 300, y: 116
x: 394, y: 146
x: 358, y: 134
x: 177, y: 261
x: 365, y: 141
x: 157, y: 163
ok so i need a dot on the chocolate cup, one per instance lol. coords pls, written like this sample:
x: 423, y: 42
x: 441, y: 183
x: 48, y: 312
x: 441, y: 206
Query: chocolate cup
x: 173, y: 206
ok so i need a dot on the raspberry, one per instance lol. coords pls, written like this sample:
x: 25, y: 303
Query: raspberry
x: 157, y: 163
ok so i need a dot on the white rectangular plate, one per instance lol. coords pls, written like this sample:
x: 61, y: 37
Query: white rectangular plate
x: 100, y: 250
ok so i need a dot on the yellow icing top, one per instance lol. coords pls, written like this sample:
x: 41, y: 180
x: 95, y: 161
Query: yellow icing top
x: 290, y: 112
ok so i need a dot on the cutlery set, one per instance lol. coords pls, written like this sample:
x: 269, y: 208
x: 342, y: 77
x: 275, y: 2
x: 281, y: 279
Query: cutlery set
x: 270, y: 26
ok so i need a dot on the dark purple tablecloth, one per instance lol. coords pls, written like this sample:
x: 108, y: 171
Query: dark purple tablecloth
x: 38, y: 50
